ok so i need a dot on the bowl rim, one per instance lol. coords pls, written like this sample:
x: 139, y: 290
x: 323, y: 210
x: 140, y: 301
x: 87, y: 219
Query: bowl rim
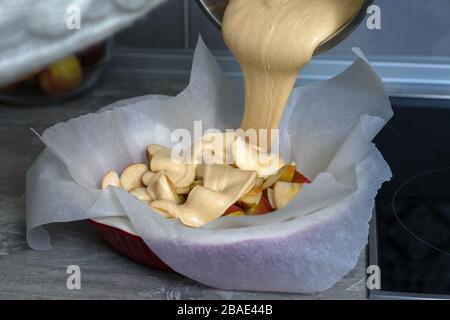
x: 121, y: 224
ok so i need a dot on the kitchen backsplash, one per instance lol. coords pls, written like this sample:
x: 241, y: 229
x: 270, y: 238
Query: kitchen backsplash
x: 408, y: 27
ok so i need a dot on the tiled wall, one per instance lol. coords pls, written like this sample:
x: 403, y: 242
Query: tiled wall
x: 409, y: 27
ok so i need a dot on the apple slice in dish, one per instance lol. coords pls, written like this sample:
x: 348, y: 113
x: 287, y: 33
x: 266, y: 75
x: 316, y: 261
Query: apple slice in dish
x: 270, y: 197
x: 262, y: 207
x: 160, y: 188
x: 131, y: 176
x: 111, y: 179
x: 183, y: 191
x: 235, y: 182
x: 251, y: 199
x: 153, y: 149
x: 202, y: 206
x: 146, y: 177
x: 284, y: 192
x: 285, y: 174
x: 249, y: 157
x: 234, y: 211
x: 141, y: 193
x: 223, y: 186
x: 299, y: 178
x: 181, y: 175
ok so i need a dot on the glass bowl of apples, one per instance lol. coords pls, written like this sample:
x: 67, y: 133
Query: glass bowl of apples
x: 62, y: 80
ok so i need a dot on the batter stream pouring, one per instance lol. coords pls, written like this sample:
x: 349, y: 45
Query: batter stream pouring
x: 273, y: 40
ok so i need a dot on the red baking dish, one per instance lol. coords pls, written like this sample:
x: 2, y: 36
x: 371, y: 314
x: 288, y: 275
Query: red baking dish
x: 119, y: 233
x: 130, y: 246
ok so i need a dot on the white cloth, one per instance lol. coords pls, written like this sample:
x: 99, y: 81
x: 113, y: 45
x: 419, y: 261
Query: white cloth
x: 35, y: 33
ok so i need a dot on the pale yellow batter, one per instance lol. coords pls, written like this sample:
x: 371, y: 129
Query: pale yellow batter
x: 273, y: 40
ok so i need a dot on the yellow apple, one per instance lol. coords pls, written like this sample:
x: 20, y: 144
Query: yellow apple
x: 284, y: 192
x: 61, y: 76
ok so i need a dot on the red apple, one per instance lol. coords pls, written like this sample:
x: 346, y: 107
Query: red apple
x: 234, y: 210
x: 288, y: 173
x: 284, y: 192
x: 299, y: 178
x: 262, y: 207
x: 61, y: 76
x: 285, y: 174
x: 251, y: 199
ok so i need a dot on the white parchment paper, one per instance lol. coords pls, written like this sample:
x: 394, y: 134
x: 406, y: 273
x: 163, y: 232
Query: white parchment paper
x: 307, y: 246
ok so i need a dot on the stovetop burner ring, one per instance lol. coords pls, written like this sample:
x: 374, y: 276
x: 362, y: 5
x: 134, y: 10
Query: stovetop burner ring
x: 394, y: 210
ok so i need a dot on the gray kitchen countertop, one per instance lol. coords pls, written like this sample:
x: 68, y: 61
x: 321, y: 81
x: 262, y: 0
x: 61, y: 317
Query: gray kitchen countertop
x: 105, y: 274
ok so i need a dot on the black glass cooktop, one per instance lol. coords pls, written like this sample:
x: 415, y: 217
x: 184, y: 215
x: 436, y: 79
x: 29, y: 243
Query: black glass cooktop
x: 410, y: 239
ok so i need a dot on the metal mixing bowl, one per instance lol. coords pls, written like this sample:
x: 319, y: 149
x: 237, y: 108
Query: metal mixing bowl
x: 215, y: 10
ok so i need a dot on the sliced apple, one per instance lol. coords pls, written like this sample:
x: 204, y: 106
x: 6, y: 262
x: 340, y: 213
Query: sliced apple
x: 131, y: 176
x: 234, y: 209
x: 299, y: 178
x: 146, y: 177
x: 270, y: 197
x: 203, y: 205
x: 234, y: 182
x: 160, y: 211
x: 198, y: 182
x: 160, y: 188
x: 200, y: 172
x: 288, y: 173
x: 284, y: 192
x: 223, y: 186
x: 262, y: 207
x: 259, y: 182
x: 153, y: 149
x: 183, y: 191
x: 181, y: 175
x: 111, y: 179
x: 251, y: 199
x: 285, y: 174
x: 140, y: 193
x: 236, y: 214
x: 270, y: 181
x: 249, y: 157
